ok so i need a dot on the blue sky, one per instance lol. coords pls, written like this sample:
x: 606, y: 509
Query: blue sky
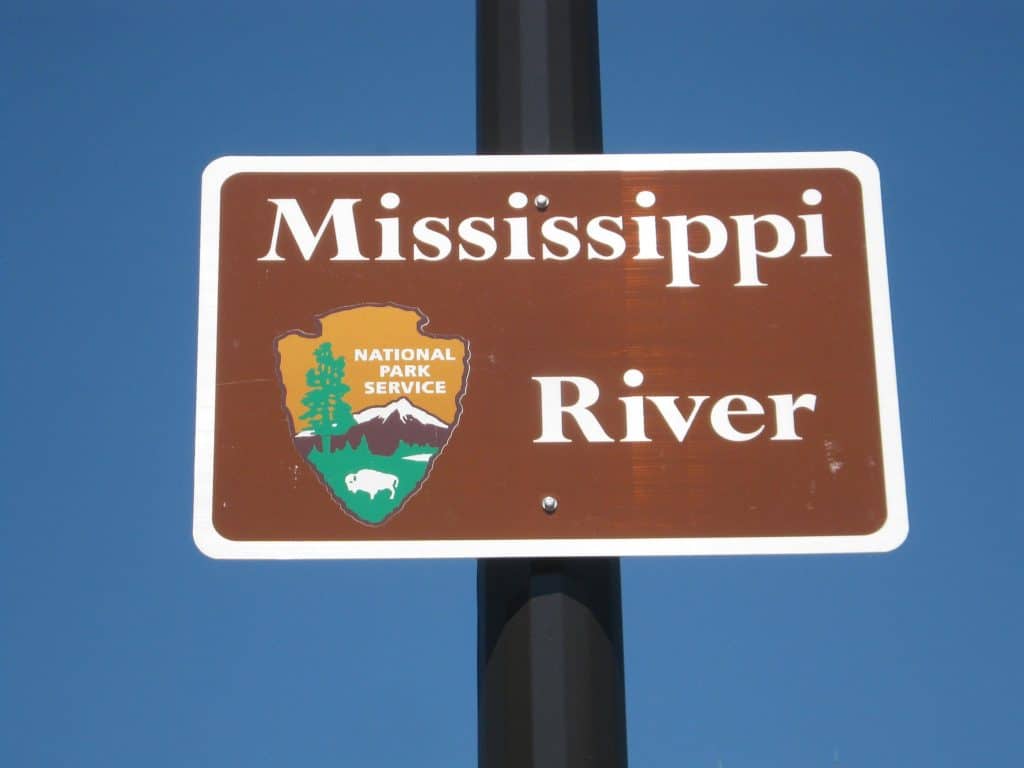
x: 120, y: 644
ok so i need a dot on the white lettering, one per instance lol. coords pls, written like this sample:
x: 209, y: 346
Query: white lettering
x: 679, y: 238
x: 634, y: 405
x: 722, y: 413
x: 814, y: 227
x: 437, y: 240
x: 746, y: 238
x: 670, y: 412
x: 552, y: 409
x: 341, y: 214
x: 564, y: 239
x: 604, y: 235
x: 647, y: 229
x: 561, y: 238
x: 785, y: 408
x: 485, y: 241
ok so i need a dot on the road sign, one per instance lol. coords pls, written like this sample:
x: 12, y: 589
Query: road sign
x: 545, y: 355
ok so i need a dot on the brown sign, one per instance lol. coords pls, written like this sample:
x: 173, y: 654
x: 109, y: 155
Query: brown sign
x: 512, y: 356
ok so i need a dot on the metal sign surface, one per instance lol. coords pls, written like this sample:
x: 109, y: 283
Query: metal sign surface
x: 545, y: 356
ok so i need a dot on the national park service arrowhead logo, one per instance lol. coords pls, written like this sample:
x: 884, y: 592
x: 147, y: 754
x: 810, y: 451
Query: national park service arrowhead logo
x: 372, y: 401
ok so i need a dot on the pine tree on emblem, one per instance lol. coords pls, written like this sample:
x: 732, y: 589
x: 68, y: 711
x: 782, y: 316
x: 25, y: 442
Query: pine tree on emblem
x: 326, y: 410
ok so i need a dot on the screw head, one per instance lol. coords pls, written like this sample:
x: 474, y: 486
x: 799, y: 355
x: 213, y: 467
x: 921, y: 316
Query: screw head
x: 542, y: 202
x: 549, y: 504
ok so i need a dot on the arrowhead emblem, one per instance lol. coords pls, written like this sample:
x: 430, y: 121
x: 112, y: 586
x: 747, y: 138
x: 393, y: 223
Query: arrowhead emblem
x: 372, y: 400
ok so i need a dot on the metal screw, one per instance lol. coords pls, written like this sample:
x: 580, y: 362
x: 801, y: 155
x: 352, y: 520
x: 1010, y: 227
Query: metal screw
x: 549, y: 504
x: 542, y: 202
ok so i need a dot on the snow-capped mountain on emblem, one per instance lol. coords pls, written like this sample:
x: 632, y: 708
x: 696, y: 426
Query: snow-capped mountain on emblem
x: 384, y: 426
x: 403, y: 409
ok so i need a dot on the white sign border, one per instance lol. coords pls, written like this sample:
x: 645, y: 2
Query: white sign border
x: 213, y: 544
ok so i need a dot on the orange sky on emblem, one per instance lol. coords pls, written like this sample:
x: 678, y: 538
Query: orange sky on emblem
x: 381, y: 328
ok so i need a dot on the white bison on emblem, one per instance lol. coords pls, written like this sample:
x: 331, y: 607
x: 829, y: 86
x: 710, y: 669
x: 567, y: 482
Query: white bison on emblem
x: 371, y: 482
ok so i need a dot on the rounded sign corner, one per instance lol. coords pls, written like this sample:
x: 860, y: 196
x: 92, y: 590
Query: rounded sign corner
x: 210, y: 542
x: 893, y: 534
x: 219, y: 170
x: 863, y: 166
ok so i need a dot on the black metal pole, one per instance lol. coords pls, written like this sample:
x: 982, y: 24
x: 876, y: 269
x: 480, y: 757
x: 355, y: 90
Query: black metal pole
x: 550, y: 685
